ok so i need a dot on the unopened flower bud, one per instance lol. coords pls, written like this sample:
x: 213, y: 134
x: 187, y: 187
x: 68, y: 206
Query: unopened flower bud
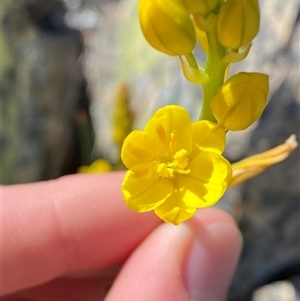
x: 238, y: 23
x: 167, y: 26
x: 241, y: 100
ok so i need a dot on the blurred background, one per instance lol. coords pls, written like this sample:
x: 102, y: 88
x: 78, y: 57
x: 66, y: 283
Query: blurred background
x: 77, y: 75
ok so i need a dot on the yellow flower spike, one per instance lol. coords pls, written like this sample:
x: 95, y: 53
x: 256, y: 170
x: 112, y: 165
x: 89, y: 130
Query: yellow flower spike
x: 241, y: 100
x: 194, y: 75
x: 123, y: 117
x: 202, y: 7
x: 99, y: 166
x: 238, y: 23
x: 254, y: 165
x: 174, y: 166
x: 167, y: 26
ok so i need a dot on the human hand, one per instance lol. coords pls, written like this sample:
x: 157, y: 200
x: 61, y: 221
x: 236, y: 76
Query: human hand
x: 73, y: 239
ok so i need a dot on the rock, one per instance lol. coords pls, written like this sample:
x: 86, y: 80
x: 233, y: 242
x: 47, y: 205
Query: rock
x: 41, y: 88
x: 278, y: 291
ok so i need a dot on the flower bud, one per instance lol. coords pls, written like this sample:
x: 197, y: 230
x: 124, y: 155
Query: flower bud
x: 167, y: 26
x: 202, y: 7
x: 238, y: 23
x: 241, y: 100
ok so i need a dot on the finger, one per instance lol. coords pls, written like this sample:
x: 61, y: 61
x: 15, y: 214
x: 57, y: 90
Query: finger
x: 91, y: 287
x: 194, y: 261
x: 76, y: 223
x: 62, y: 289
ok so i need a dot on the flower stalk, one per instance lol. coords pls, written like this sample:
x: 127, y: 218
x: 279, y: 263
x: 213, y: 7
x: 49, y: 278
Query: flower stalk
x: 215, y: 69
x: 176, y: 166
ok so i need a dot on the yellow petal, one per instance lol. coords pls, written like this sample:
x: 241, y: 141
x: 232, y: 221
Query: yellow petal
x: 137, y: 148
x: 241, y: 100
x: 173, y: 210
x: 207, y: 180
x: 209, y: 136
x: 143, y: 194
x: 171, y: 128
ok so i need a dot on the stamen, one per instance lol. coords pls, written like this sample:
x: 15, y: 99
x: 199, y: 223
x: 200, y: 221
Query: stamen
x: 173, y: 139
x: 164, y: 171
x: 177, y: 166
x: 180, y: 159
x: 161, y: 133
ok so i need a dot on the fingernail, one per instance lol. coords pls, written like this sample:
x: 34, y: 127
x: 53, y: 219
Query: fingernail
x: 211, y: 262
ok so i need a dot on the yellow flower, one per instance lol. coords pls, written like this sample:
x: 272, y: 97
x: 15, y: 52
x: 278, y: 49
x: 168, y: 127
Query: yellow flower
x: 167, y: 26
x: 99, y: 166
x: 174, y: 166
x: 238, y: 23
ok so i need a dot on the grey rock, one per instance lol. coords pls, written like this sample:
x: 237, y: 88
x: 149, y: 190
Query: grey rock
x: 40, y: 91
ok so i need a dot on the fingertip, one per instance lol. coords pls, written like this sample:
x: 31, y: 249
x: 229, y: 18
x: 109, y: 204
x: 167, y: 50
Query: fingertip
x: 179, y: 263
x: 213, y: 256
x: 208, y: 216
x: 153, y: 271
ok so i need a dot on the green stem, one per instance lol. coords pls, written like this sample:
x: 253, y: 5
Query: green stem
x: 215, y: 69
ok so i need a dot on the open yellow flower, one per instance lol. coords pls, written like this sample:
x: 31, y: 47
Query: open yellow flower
x: 174, y: 166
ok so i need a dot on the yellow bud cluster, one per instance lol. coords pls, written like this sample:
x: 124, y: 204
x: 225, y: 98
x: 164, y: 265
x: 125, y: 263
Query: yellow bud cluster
x: 173, y: 26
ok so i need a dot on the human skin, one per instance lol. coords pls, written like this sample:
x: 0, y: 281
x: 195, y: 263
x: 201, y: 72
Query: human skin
x: 74, y: 239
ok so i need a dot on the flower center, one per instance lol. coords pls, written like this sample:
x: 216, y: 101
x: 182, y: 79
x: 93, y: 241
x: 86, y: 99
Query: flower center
x: 176, y: 166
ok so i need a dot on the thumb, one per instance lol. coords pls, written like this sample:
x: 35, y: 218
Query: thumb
x: 193, y: 261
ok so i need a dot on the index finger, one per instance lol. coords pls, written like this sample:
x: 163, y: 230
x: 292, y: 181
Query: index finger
x: 75, y: 223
